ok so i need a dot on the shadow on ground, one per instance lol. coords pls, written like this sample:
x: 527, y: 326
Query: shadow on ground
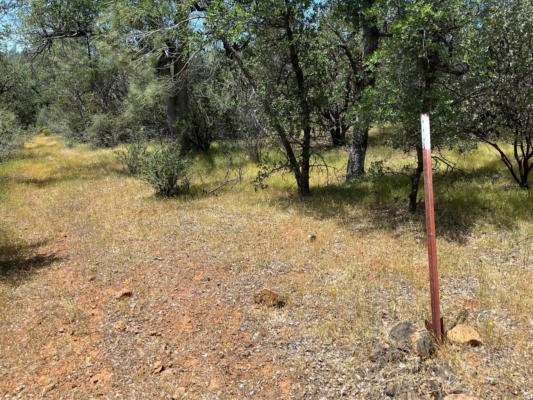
x: 62, y: 174
x: 19, y: 260
x: 463, y: 200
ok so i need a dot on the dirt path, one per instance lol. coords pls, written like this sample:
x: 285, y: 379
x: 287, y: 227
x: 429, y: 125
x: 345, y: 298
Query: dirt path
x: 185, y: 330
x: 180, y: 332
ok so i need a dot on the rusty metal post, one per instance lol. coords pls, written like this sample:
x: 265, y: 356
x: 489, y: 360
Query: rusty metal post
x: 436, y: 323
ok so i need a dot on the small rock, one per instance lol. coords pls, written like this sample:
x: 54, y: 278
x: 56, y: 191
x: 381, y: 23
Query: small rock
x: 124, y: 293
x: 270, y: 298
x: 460, y: 396
x: 311, y: 237
x: 463, y: 334
x: 157, y: 367
x: 402, y: 332
x: 179, y: 392
x: 406, y: 337
x: 422, y: 343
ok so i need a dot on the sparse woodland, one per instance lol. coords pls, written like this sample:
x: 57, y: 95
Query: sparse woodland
x: 190, y: 153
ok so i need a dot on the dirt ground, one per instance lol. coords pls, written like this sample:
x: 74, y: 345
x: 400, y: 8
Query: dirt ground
x: 108, y: 292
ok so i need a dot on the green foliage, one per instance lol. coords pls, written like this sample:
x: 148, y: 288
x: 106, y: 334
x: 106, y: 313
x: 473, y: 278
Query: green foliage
x: 165, y: 170
x: 157, y: 33
x: 10, y: 131
x: 102, y: 131
x: 423, y: 53
x: 17, y: 88
x: 144, y: 105
x: 244, y: 72
x: 78, y: 84
x: 45, y: 22
x: 498, y: 88
x: 133, y: 156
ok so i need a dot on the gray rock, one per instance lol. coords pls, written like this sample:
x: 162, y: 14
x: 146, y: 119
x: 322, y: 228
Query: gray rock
x: 422, y: 343
x: 402, y: 331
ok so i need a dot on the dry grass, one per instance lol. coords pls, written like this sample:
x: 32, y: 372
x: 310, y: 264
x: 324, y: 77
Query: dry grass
x: 76, y: 230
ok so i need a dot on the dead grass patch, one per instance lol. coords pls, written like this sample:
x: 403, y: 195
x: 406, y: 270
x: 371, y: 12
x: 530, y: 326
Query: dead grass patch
x: 78, y: 230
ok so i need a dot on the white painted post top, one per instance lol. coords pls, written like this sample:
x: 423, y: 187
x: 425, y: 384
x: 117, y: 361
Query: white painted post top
x: 426, y: 138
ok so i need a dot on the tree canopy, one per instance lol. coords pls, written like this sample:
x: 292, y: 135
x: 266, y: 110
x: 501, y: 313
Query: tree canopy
x: 300, y: 75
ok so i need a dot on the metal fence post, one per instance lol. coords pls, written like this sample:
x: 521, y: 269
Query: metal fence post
x: 436, y: 323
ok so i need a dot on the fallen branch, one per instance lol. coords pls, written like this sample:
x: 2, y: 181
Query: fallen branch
x: 225, y: 182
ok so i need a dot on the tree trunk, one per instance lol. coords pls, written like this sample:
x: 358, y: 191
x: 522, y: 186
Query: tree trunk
x: 303, y: 183
x: 415, y: 179
x: 370, y: 39
x: 338, y: 135
x: 524, y: 184
x: 522, y: 158
x: 357, y: 155
x: 303, y: 180
x: 300, y: 169
x: 356, y: 158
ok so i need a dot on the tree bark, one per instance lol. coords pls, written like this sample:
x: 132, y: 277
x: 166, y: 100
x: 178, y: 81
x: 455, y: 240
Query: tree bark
x: 415, y: 179
x: 357, y: 155
x: 303, y: 181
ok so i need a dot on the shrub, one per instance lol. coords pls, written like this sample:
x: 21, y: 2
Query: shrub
x: 165, y: 170
x: 46, y: 132
x: 133, y: 156
x: 10, y: 131
x: 101, y: 132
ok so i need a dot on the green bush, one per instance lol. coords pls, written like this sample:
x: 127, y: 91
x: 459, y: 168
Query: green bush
x: 165, y: 170
x: 102, y: 131
x: 133, y: 156
x: 10, y: 131
x: 46, y: 132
